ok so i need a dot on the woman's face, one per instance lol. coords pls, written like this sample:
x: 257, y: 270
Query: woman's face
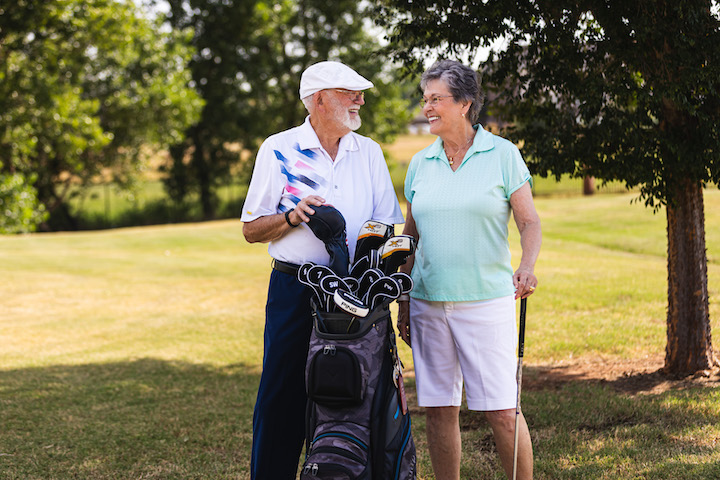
x: 441, y: 110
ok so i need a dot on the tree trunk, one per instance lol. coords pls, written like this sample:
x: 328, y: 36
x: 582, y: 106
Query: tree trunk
x: 588, y: 185
x: 689, y: 347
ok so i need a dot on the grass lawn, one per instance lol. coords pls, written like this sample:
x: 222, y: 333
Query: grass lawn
x: 136, y: 353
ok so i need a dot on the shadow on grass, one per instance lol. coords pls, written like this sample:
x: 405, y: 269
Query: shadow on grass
x: 138, y: 419
x: 633, y: 427
x: 155, y: 419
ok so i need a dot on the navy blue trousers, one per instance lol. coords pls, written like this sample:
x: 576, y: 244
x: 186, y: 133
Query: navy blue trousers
x: 279, y: 417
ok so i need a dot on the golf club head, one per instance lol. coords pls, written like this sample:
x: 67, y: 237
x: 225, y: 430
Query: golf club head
x: 404, y: 280
x: 370, y: 276
x: 349, y: 303
x: 359, y: 267
x: 384, y: 288
x: 394, y: 252
x: 304, y: 278
x: 330, y: 283
x: 352, y: 282
x: 303, y: 270
x: 371, y: 236
x: 317, y: 272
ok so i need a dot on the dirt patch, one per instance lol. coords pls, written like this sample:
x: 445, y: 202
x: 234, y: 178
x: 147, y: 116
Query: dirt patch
x: 634, y: 377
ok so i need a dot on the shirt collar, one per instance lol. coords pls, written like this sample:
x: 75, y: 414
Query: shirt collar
x: 482, y: 143
x: 308, y: 138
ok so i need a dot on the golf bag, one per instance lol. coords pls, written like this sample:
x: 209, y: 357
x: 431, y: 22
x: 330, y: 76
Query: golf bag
x: 358, y: 425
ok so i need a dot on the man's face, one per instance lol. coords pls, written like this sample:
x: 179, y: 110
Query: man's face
x: 345, y: 107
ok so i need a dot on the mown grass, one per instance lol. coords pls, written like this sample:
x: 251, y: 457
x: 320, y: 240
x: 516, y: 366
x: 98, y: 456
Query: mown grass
x: 135, y: 353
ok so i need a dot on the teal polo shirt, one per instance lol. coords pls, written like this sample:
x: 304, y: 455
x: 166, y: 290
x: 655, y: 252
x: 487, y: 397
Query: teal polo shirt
x: 462, y: 218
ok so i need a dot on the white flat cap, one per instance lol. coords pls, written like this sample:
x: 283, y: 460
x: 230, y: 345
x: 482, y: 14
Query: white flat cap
x: 328, y: 74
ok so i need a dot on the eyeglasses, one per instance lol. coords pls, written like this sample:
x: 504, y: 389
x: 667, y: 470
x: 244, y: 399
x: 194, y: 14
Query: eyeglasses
x: 433, y: 101
x: 354, y: 96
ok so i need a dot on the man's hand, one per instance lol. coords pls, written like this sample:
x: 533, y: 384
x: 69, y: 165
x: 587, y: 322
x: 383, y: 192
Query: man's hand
x: 271, y: 227
x: 304, y: 209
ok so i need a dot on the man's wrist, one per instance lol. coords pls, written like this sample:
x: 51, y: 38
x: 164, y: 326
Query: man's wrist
x: 287, y: 218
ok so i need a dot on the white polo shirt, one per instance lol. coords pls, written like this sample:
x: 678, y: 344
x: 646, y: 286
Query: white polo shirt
x: 291, y: 165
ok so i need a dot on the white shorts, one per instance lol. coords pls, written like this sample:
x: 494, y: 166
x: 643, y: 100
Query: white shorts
x: 474, y: 341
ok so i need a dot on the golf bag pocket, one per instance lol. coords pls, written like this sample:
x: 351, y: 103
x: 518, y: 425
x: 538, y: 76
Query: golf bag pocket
x: 335, y: 378
x: 398, y: 455
x: 338, y: 453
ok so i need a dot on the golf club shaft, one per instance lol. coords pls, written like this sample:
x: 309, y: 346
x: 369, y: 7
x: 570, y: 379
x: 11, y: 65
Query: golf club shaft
x: 521, y: 353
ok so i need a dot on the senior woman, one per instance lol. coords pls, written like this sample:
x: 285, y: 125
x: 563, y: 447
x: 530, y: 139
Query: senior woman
x: 460, y: 192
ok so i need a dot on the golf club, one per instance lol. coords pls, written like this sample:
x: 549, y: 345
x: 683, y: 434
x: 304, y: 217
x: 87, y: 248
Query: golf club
x: 330, y: 283
x: 370, y: 276
x: 303, y: 278
x: 521, y: 353
x: 406, y: 283
x: 371, y: 236
x: 314, y: 275
x: 359, y: 267
x: 349, y: 303
x: 394, y: 252
x: 385, y: 287
x: 352, y: 282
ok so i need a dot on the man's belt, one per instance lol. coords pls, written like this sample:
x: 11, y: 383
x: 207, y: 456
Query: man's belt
x: 285, y: 267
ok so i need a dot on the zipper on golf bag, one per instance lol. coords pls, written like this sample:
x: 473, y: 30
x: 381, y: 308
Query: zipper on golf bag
x: 336, y: 455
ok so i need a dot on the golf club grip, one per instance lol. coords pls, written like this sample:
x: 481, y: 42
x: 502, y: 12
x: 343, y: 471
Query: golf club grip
x: 521, y: 340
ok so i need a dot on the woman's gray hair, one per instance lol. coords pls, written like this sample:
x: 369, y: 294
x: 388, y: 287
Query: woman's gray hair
x: 462, y: 81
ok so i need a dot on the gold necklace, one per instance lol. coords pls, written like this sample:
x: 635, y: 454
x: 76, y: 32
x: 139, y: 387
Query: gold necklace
x: 451, y: 158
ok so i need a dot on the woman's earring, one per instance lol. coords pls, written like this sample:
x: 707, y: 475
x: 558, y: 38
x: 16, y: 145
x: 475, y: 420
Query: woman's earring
x: 463, y: 115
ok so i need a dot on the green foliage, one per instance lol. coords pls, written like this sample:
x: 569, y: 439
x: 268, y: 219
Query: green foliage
x: 619, y: 90
x: 250, y: 55
x: 85, y: 87
x: 20, y: 211
x: 622, y: 91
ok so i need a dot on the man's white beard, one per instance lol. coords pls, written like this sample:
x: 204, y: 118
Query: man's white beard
x: 351, y: 123
x: 342, y: 115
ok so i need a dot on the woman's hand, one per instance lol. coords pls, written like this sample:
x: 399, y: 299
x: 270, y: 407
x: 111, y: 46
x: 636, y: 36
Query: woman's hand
x: 525, y: 283
x: 403, y: 322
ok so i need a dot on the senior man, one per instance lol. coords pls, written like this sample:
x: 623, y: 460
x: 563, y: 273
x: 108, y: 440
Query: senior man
x: 321, y: 161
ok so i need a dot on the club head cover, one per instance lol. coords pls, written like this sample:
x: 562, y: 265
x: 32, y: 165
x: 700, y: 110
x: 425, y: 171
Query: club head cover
x: 303, y: 276
x: 330, y: 283
x: 352, y: 282
x: 385, y: 287
x: 395, y: 251
x: 349, y: 303
x: 370, y: 276
x: 328, y: 225
x: 317, y: 272
x: 371, y: 236
x: 404, y: 280
x: 359, y: 267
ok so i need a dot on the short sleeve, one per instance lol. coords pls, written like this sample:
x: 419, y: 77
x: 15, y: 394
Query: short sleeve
x: 515, y: 171
x: 409, y: 177
x: 266, y: 185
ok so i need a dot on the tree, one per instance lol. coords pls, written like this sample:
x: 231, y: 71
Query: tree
x: 617, y: 90
x: 87, y: 87
x: 21, y: 211
x: 250, y: 54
